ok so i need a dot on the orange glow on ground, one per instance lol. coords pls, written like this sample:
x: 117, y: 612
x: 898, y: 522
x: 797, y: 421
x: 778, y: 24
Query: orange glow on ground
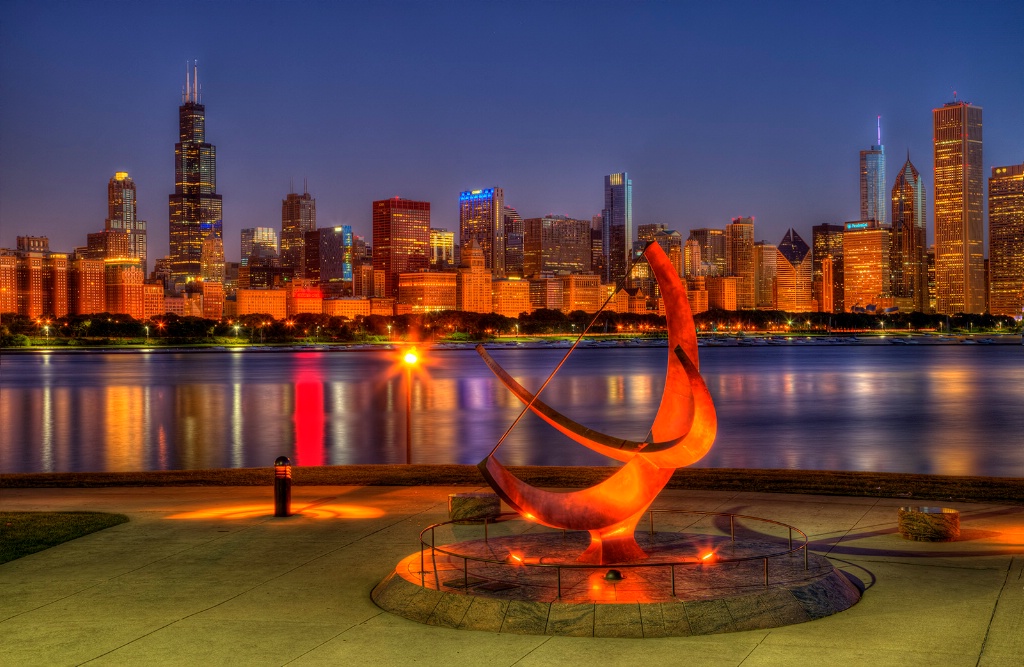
x: 267, y: 510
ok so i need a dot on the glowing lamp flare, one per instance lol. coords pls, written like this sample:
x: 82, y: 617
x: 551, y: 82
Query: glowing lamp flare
x: 411, y: 357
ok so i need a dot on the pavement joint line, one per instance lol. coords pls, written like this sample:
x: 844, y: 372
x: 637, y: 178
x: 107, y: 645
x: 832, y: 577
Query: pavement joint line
x: 992, y: 616
x: 333, y: 637
x: 247, y: 590
x: 855, y: 524
x: 754, y: 648
x: 528, y: 653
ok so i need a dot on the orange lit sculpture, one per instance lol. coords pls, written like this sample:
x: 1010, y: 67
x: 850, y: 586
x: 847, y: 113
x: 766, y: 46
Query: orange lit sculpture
x: 683, y: 431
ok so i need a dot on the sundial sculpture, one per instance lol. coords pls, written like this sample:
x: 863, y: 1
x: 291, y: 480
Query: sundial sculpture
x: 683, y: 431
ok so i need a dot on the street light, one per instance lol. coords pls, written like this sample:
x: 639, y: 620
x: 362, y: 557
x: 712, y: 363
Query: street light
x: 389, y: 333
x: 147, y: 333
x: 410, y: 359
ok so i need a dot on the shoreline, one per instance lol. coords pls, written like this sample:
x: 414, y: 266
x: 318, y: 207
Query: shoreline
x: 913, y: 487
x: 556, y: 342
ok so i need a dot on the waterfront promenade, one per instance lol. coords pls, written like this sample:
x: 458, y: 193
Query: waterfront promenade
x: 205, y: 575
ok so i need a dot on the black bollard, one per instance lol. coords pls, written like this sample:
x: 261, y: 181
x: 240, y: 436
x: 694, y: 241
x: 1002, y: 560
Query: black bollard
x: 282, y: 486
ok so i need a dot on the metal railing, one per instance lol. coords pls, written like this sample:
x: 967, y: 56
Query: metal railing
x: 671, y: 565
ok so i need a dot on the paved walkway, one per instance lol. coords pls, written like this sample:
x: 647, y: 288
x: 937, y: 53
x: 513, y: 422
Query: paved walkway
x: 207, y: 576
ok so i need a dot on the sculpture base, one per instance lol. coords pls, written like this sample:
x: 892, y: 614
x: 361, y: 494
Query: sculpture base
x: 708, y: 598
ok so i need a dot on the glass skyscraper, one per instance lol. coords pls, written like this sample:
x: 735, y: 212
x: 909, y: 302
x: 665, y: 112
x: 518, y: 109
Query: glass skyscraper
x: 482, y: 219
x: 401, y: 239
x: 873, y: 204
x: 298, y: 216
x: 195, y: 206
x: 121, y: 214
x: 617, y: 225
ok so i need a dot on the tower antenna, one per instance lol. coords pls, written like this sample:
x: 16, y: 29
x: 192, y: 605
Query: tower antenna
x: 879, y: 120
x: 195, y: 81
x: 188, y: 83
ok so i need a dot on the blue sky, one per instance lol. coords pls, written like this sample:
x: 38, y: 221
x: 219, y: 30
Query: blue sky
x: 715, y: 111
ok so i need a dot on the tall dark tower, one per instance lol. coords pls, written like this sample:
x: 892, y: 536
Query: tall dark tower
x: 196, y: 208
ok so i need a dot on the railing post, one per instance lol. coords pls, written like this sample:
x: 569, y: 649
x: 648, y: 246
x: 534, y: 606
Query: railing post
x: 672, y: 569
x: 423, y: 574
x: 805, y: 556
x: 791, y: 538
x: 650, y: 513
x: 732, y: 528
x: 766, y: 573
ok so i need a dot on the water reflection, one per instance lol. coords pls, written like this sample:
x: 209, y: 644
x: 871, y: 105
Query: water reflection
x: 944, y: 410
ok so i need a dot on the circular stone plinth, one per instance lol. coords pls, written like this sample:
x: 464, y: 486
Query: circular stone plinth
x: 709, y: 597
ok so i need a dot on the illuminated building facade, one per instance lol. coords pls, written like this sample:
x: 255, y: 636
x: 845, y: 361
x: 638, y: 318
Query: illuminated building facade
x: 298, y: 216
x: 257, y: 236
x: 739, y: 260
x: 909, y: 270
x: 510, y: 297
x: 213, y: 300
x: 212, y: 259
x: 827, y: 241
x: 866, y: 262
x: 401, y: 239
x: 545, y: 293
x: 873, y: 205
x: 793, y: 275
x: 87, y: 291
x: 697, y: 293
x: 959, y: 243
x: 691, y: 258
x: 617, y: 226
x: 109, y: 244
x: 122, y: 214
x: 273, y: 302
x: 1006, y: 240
x: 8, y: 283
x: 196, y: 210
x: 442, y: 249
x: 582, y: 292
x: 153, y: 300
x: 672, y: 243
x: 712, y: 250
x: 427, y: 291
x: 125, y: 293
x: 722, y: 292
x: 303, y: 295
x: 482, y: 219
x: 764, y: 275
x: 473, y: 282
x: 350, y: 307
x: 556, y: 244
x: 513, y: 242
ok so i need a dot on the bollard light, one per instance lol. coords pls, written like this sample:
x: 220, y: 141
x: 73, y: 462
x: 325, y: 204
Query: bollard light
x: 282, y: 486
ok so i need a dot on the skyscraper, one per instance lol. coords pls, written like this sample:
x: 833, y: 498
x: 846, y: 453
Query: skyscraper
x: 1006, y: 240
x: 401, y: 239
x: 793, y: 274
x: 827, y: 243
x: 739, y: 260
x: 212, y: 258
x: 513, y: 242
x: 265, y: 237
x: 909, y: 270
x: 482, y: 219
x: 121, y: 214
x: 442, y: 249
x: 556, y: 244
x: 959, y: 251
x: 617, y: 225
x: 298, y: 216
x: 866, y: 280
x: 765, y: 261
x: 872, y: 181
x: 195, y: 206
x: 712, y: 250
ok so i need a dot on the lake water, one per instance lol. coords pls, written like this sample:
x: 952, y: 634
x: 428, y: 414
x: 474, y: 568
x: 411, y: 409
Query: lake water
x: 956, y: 410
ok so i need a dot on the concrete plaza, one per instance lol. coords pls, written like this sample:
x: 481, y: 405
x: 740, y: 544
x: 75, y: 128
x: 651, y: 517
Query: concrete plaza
x: 205, y: 575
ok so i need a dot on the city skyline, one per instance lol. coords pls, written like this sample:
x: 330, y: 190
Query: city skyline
x: 787, y: 126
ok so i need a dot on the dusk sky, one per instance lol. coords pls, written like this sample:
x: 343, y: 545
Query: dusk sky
x: 716, y: 110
